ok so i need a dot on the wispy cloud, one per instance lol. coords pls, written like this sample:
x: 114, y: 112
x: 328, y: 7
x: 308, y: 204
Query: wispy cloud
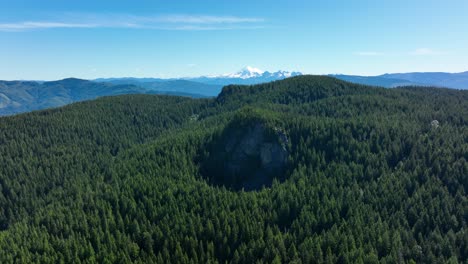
x: 369, y: 53
x: 41, y: 25
x: 425, y: 52
x: 166, y: 22
x: 187, y: 19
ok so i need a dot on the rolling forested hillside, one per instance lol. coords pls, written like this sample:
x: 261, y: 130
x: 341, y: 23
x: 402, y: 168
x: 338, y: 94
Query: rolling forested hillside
x: 25, y: 96
x: 305, y: 170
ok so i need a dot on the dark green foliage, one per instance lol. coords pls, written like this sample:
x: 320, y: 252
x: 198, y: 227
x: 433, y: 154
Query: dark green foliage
x: 119, y: 179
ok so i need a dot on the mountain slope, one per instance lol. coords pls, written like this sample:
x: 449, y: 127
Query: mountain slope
x: 442, y: 79
x: 19, y: 96
x: 387, y: 82
x: 169, y: 86
x: 434, y: 79
x: 367, y: 175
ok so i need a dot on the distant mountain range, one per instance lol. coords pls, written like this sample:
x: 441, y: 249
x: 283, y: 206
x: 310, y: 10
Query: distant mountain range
x: 375, y: 80
x: 247, y: 75
x: 24, y: 96
x: 250, y: 75
x: 190, y: 88
x: 436, y: 79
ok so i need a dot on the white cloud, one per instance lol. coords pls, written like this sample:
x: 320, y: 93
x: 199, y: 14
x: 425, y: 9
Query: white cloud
x: 369, y: 53
x: 168, y: 22
x: 187, y: 19
x: 41, y: 25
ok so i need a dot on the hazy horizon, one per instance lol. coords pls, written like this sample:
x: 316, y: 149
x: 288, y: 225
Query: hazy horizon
x: 189, y: 77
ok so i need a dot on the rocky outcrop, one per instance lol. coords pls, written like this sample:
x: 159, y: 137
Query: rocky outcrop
x: 248, y: 157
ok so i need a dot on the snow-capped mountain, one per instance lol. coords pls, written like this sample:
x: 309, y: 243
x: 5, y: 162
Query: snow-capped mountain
x: 252, y: 72
x: 247, y: 75
x: 204, y: 85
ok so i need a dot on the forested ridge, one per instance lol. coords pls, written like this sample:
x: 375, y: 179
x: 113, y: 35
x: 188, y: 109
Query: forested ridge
x: 372, y: 175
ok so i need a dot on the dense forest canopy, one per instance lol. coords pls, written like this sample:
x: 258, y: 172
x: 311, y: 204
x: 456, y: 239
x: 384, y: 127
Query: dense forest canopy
x: 370, y: 175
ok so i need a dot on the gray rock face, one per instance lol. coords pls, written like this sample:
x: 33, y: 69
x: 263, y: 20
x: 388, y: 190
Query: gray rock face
x: 252, y: 157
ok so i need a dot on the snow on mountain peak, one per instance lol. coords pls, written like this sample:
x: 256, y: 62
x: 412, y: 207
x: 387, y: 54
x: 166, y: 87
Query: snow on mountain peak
x: 245, y: 73
x: 252, y: 72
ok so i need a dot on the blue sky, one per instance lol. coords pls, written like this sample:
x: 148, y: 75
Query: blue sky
x: 47, y: 39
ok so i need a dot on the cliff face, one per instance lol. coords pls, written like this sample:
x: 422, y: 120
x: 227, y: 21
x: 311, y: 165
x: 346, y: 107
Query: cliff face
x: 248, y: 157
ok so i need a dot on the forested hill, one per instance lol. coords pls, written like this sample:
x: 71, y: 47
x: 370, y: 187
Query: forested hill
x: 25, y: 96
x: 301, y: 89
x: 304, y: 170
